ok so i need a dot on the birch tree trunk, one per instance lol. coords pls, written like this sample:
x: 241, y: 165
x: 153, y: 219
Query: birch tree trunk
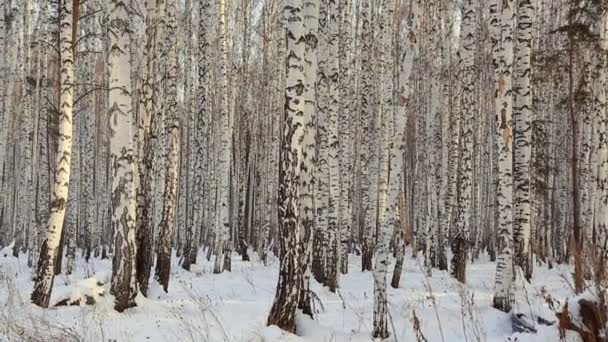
x: 148, y: 132
x: 223, y: 165
x: 4, y: 25
x: 306, y: 194
x: 25, y: 176
x: 72, y: 227
x: 123, y: 161
x: 333, y: 230
x: 455, y: 122
x: 347, y: 107
x: 522, y: 112
x: 460, y: 238
x: 200, y: 148
x: 165, y: 237
x: 45, y: 273
x: 602, y: 130
x: 369, y: 214
x: 445, y: 205
x: 321, y: 238
x: 285, y: 302
x: 388, y: 181
x: 406, y: 64
x: 502, y: 26
x: 44, y: 181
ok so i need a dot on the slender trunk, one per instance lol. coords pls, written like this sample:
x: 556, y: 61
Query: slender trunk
x: 460, y: 238
x: 225, y: 149
x: 48, y: 253
x: 172, y: 160
x: 389, y: 170
x: 367, y: 205
x: 522, y: 112
x: 503, y: 60
x: 148, y: 132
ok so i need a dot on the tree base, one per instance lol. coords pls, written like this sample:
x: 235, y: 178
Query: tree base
x: 502, y: 303
x: 459, y: 260
x: 397, y: 273
x: 366, y: 259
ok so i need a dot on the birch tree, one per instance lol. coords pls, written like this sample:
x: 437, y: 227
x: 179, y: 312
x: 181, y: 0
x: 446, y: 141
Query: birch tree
x: 332, y: 260
x: 149, y: 123
x: 200, y: 126
x: 122, y: 154
x: 45, y: 273
x: 171, y: 124
x: 460, y: 238
x: 522, y: 112
x: 602, y: 130
x: 406, y: 64
x: 223, y: 163
x: 388, y: 183
x: 347, y: 107
x: 322, y: 200
x: 502, y: 26
x: 367, y: 201
x: 306, y: 193
x: 285, y: 302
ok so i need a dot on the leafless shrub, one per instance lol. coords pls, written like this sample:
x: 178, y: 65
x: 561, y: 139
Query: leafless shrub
x: 429, y: 289
x: 357, y: 307
x: 553, y: 303
x: 249, y: 280
x: 417, y: 328
x: 205, y: 309
x: 471, y: 323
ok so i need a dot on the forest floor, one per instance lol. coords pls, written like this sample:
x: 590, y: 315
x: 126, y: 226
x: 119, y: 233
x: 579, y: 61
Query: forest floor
x: 233, y: 306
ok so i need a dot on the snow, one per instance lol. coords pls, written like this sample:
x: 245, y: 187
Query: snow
x: 233, y: 306
x: 8, y: 250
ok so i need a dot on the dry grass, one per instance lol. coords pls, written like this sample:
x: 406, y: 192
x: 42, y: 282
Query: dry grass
x: 17, y: 325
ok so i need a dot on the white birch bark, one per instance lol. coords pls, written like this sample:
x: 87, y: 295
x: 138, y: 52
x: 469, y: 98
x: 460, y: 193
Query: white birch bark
x: 285, y: 303
x: 43, y: 183
x: 447, y: 48
x: 455, y: 123
x: 502, y: 25
x: 522, y: 114
x: 225, y: 148
x: 123, y: 151
x: 433, y: 137
x: 388, y: 181
x: 201, y: 121
x: 46, y: 264
x: 89, y: 202
x: 171, y: 125
x: 25, y: 192
x: 405, y: 90
x: 602, y: 130
x: 3, y: 97
x: 345, y: 126
x: 460, y: 238
x: 366, y: 152
x: 310, y: 14
x: 148, y: 122
x: 322, y: 199
x: 586, y: 139
x: 332, y: 115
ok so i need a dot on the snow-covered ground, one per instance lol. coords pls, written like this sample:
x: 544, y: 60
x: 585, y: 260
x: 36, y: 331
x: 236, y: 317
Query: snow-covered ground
x: 233, y: 306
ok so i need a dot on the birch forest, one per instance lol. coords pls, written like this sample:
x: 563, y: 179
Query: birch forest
x: 304, y: 170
